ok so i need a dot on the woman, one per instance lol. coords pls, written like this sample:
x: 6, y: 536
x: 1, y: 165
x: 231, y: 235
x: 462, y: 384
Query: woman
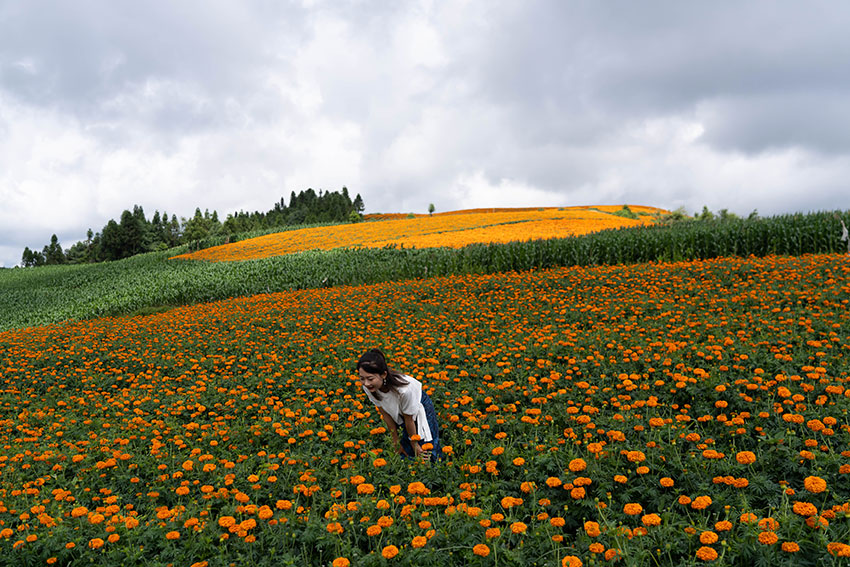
x: 403, y: 405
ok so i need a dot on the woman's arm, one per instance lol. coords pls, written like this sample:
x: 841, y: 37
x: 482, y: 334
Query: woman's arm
x: 410, y: 427
x: 393, y: 427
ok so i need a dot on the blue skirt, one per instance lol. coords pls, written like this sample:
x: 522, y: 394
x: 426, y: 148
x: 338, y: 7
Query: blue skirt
x: 431, y: 414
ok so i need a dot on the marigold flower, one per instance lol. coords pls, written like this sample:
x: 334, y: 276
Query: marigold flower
x: 745, y: 457
x: 577, y: 465
x: 632, y: 509
x: 481, y: 550
x: 701, y: 502
x: 389, y: 552
x: 419, y: 541
x: 790, y: 547
x: 708, y: 537
x: 571, y: 561
x: 341, y: 562
x: 518, y: 527
x: 635, y: 456
x: 837, y: 549
x: 172, y: 535
x: 814, y: 484
x: 226, y: 521
x: 650, y: 520
x: 804, y: 509
x: 592, y: 529
x: 706, y: 553
x: 373, y: 530
x: 768, y: 538
x: 96, y: 543
x: 417, y: 488
x: 557, y: 522
x: 492, y: 532
x: 723, y: 526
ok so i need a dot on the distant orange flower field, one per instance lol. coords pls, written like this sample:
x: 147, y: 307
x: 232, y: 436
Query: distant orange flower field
x: 452, y: 230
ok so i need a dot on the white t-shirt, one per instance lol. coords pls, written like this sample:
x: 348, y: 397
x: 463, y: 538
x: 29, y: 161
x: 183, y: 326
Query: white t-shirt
x: 406, y: 400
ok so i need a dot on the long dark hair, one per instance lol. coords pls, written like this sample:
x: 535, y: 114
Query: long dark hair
x: 374, y: 362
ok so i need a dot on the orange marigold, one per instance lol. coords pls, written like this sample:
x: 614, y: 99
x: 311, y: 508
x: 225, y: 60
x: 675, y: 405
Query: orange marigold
x: 341, y: 562
x: 577, y: 465
x: 592, y: 529
x: 804, y: 509
x: 706, y: 553
x: 768, y: 538
x: 814, y: 484
x: 632, y: 509
x: 650, y: 520
x: 708, y: 537
x: 481, y: 550
x: 389, y: 552
x: 790, y: 547
x: 837, y: 549
x: 745, y: 457
x: 701, y: 502
x: 571, y: 561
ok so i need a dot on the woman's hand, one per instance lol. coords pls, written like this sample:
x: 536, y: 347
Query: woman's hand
x: 417, y: 448
x: 397, y: 443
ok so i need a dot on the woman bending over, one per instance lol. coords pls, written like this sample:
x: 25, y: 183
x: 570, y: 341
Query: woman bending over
x: 403, y: 405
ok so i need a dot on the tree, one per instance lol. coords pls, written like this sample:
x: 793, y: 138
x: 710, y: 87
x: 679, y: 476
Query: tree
x: 431, y: 209
x: 31, y: 259
x: 53, y: 253
x: 358, y: 204
x: 705, y: 215
x: 111, y: 241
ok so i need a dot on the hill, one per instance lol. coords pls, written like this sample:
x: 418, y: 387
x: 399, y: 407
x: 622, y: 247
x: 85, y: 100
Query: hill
x: 151, y: 282
x: 454, y: 229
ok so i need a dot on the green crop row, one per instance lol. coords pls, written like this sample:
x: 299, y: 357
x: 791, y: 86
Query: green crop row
x: 38, y: 296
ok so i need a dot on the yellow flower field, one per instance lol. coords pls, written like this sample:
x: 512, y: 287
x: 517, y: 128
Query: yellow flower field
x: 452, y: 230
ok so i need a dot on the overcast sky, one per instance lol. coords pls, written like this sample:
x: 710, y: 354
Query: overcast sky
x: 231, y: 105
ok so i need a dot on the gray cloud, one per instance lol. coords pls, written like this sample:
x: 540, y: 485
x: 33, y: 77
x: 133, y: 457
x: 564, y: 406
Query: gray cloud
x: 230, y: 105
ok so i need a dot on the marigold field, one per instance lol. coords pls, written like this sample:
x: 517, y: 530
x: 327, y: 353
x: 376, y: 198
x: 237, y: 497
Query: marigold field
x: 450, y: 230
x: 654, y: 414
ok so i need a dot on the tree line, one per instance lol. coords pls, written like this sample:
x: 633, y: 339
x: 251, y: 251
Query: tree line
x: 134, y: 234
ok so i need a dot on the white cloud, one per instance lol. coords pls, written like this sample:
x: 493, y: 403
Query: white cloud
x: 231, y: 105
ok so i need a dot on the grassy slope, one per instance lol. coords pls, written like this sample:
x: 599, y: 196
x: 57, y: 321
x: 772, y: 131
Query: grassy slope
x: 30, y: 297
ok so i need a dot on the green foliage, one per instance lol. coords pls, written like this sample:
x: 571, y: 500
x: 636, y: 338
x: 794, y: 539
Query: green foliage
x: 626, y: 212
x: 134, y: 234
x: 56, y: 293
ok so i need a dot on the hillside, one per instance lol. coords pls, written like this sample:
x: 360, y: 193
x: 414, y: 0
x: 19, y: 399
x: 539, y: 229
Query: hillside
x: 454, y: 229
x: 664, y: 414
x: 151, y: 282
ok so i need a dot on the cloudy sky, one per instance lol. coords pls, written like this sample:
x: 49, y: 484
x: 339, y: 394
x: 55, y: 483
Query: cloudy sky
x: 230, y: 105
